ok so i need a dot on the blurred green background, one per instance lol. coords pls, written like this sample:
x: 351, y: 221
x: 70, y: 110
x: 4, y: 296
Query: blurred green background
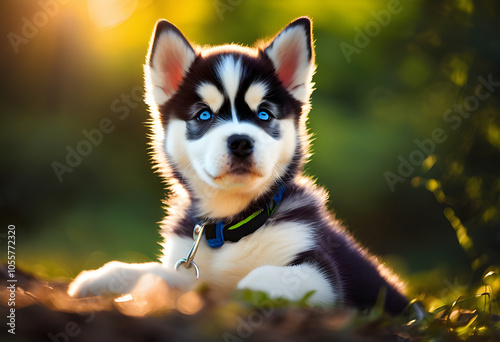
x: 387, y: 72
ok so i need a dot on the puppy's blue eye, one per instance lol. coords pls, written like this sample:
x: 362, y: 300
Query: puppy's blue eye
x: 204, y: 116
x: 264, y: 116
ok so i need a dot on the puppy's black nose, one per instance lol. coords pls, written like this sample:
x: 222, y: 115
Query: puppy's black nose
x: 240, y: 145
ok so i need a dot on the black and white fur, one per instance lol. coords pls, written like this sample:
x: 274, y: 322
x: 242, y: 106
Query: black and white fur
x: 301, y: 248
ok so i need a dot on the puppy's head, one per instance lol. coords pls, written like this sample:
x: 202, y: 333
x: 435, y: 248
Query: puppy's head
x: 229, y: 120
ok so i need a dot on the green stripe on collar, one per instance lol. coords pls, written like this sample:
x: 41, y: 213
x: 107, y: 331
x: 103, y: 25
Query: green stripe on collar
x: 237, y: 225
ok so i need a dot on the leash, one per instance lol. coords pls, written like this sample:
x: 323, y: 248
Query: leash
x: 218, y: 233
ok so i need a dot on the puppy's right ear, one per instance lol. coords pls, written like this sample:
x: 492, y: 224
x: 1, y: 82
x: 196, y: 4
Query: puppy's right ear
x: 169, y: 58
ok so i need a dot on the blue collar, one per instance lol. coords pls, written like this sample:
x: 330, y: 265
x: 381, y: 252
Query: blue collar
x: 219, y: 232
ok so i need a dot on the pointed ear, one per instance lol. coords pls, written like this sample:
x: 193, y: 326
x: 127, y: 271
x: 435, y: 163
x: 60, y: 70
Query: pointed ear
x: 291, y: 52
x: 170, y: 57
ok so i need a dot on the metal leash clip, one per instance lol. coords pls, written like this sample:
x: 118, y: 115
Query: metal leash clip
x: 188, y: 262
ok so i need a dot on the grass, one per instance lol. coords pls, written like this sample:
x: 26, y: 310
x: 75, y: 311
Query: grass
x: 470, y: 317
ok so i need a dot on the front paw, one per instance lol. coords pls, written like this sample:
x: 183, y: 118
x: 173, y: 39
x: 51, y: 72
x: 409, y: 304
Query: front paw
x: 112, y: 279
x: 293, y: 283
x: 266, y: 279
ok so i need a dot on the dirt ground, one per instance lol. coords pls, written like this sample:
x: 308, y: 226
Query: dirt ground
x: 44, y: 312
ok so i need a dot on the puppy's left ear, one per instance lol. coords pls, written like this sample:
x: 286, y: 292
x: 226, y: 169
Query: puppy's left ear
x: 291, y: 52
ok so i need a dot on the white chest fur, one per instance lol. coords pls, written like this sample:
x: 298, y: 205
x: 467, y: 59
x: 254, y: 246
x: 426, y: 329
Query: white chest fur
x: 222, y: 268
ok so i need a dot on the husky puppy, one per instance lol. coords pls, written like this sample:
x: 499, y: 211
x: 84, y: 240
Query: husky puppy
x: 230, y: 139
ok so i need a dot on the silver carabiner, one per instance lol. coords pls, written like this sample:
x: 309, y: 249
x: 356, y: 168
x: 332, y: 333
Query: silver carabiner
x: 188, y: 261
